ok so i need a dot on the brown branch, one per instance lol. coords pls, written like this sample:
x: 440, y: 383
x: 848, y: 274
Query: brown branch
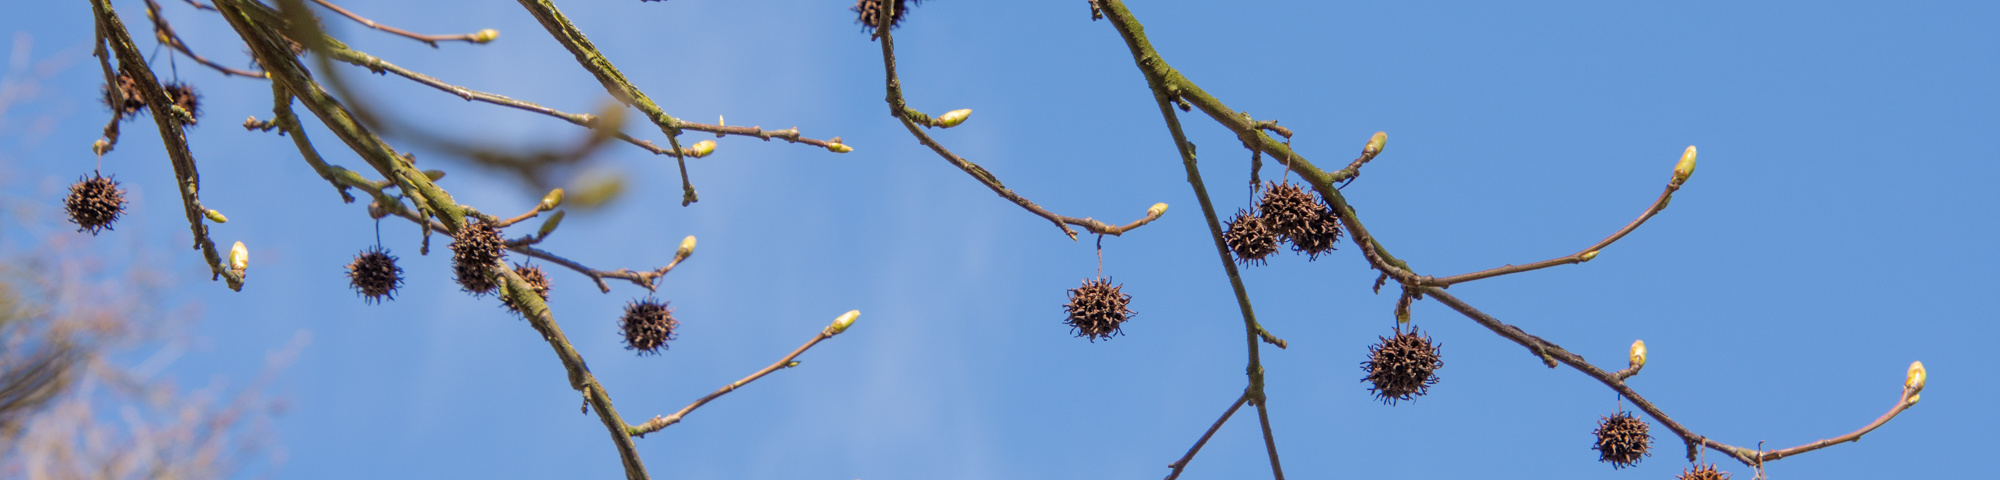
x: 659, y: 422
x: 912, y: 119
x: 478, y: 37
x: 166, y: 33
x: 1549, y: 350
x: 648, y: 279
x: 1270, y: 444
x: 1580, y: 256
x: 1178, y: 465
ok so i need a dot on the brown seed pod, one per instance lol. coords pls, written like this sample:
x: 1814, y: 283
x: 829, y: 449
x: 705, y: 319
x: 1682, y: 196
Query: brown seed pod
x: 474, y: 251
x: 1289, y: 211
x: 868, y: 13
x: 647, y: 325
x: 1622, y: 440
x: 132, y: 103
x: 93, y: 203
x: 184, y: 96
x: 1402, y: 367
x: 1321, y: 234
x: 1249, y: 239
x: 1097, y: 309
x: 1702, y: 472
x: 374, y: 275
x: 537, y: 281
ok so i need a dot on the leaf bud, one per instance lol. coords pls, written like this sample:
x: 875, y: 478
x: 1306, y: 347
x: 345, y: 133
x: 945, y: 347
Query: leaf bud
x: 549, y: 226
x: 215, y: 216
x: 1638, y: 354
x: 239, y: 257
x: 1157, y: 210
x: 1685, y: 168
x: 553, y: 199
x: 1375, y: 143
x: 687, y: 247
x: 1590, y: 255
x: 837, y: 147
x: 840, y: 324
x: 700, y: 149
x: 484, y: 36
x: 954, y: 117
x: 1915, y: 381
x: 434, y: 175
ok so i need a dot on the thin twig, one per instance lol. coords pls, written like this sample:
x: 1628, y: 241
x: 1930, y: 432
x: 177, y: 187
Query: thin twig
x: 173, y: 40
x: 648, y: 278
x: 427, y: 39
x: 1270, y: 444
x: 1181, y: 464
x: 659, y: 422
x: 1581, y: 256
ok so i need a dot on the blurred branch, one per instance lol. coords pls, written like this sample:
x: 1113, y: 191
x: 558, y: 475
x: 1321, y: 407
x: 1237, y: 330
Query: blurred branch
x: 911, y: 118
x: 517, y: 292
x: 166, y: 35
x: 427, y: 39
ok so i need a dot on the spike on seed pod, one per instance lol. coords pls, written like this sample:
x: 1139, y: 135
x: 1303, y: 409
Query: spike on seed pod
x: 1097, y: 309
x: 1402, y: 367
x: 374, y: 275
x: 1622, y: 440
x: 474, y: 251
x: 1321, y: 235
x: 1702, y: 472
x: 93, y: 203
x: 647, y: 325
x: 1249, y: 239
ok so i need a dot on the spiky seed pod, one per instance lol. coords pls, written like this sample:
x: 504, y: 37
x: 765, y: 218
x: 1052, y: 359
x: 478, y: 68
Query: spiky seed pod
x: 474, y: 251
x: 129, y: 89
x: 184, y: 96
x: 1702, y: 472
x: 94, y: 203
x: 374, y: 275
x: 537, y: 281
x: 1321, y: 234
x: 869, y: 12
x: 647, y: 325
x: 1402, y: 367
x: 1097, y: 309
x: 1249, y: 239
x: 1289, y: 211
x: 1622, y: 440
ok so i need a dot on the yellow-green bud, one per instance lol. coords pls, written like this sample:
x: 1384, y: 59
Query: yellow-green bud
x: 1590, y: 255
x: 687, y: 247
x: 239, y: 257
x: 840, y: 324
x: 486, y: 35
x: 700, y: 149
x: 1375, y: 143
x: 549, y: 226
x: 215, y: 216
x: 1914, y: 398
x: 1157, y: 210
x: 1915, y: 380
x: 1638, y: 353
x: 1686, y: 168
x: 553, y: 199
x: 837, y: 147
x: 954, y: 117
x: 434, y: 175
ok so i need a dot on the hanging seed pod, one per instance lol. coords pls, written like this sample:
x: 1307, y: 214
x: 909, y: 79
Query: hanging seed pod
x: 1249, y: 239
x: 474, y: 251
x: 1402, y: 367
x: 647, y: 325
x: 1321, y: 234
x: 131, y: 103
x: 1289, y: 210
x: 537, y: 281
x: 93, y: 203
x: 183, y: 95
x: 1622, y: 440
x: 869, y: 13
x: 374, y: 275
x: 1097, y: 309
x: 1702, y: 472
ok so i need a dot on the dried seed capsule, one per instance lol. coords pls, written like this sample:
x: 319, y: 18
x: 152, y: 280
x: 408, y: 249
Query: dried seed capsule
x: 1097, y: 309
x: 374, y: 275
x: 93, y: 203
x: 1249, y: 239
x: 1702, y: 472
x: 647, y: 325
x: 474, y: 251
x: 869, y: 12
x: 1402, y: 367
x: 183, y: 96
x: 1622, y: 440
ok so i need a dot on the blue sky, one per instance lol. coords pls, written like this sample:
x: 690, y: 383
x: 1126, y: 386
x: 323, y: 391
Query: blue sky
x: 1838, y: 228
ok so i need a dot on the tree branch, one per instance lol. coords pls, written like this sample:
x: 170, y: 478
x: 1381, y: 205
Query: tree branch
x: 659, y: 422
x: 479, y: 37
x: 1178, y: 465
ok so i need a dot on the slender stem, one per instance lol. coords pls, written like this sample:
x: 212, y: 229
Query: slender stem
x: 1578, y: 257
x: 427, y: 39
x: 645, y: 278
x: 173, y: 40
x: 1270, y: 444
x: 1181, y: 464
x: 659, y: 422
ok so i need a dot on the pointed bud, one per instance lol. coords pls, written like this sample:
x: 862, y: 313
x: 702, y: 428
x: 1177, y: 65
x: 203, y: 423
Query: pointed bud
x: 1157, y: 210
x: 1914, y: 398
x: 239, y: 257
x: 486, y: 35
x: 549, y: 226
x: 434, y: 175
x: 1686, y: 168
x: 1375, y: 143
x: 837, y: 147
x: 700, y: 149
x: 1590, y: 255
x: 552, y: 200
x: 1638, y: 354
x: 1915, y: 381
x: 954, y: 117
x: 215, y: 216
x: 687, y: 247
x: 840, y: 324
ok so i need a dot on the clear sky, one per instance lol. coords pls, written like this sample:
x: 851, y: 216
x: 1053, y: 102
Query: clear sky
x: 1839, y: 227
